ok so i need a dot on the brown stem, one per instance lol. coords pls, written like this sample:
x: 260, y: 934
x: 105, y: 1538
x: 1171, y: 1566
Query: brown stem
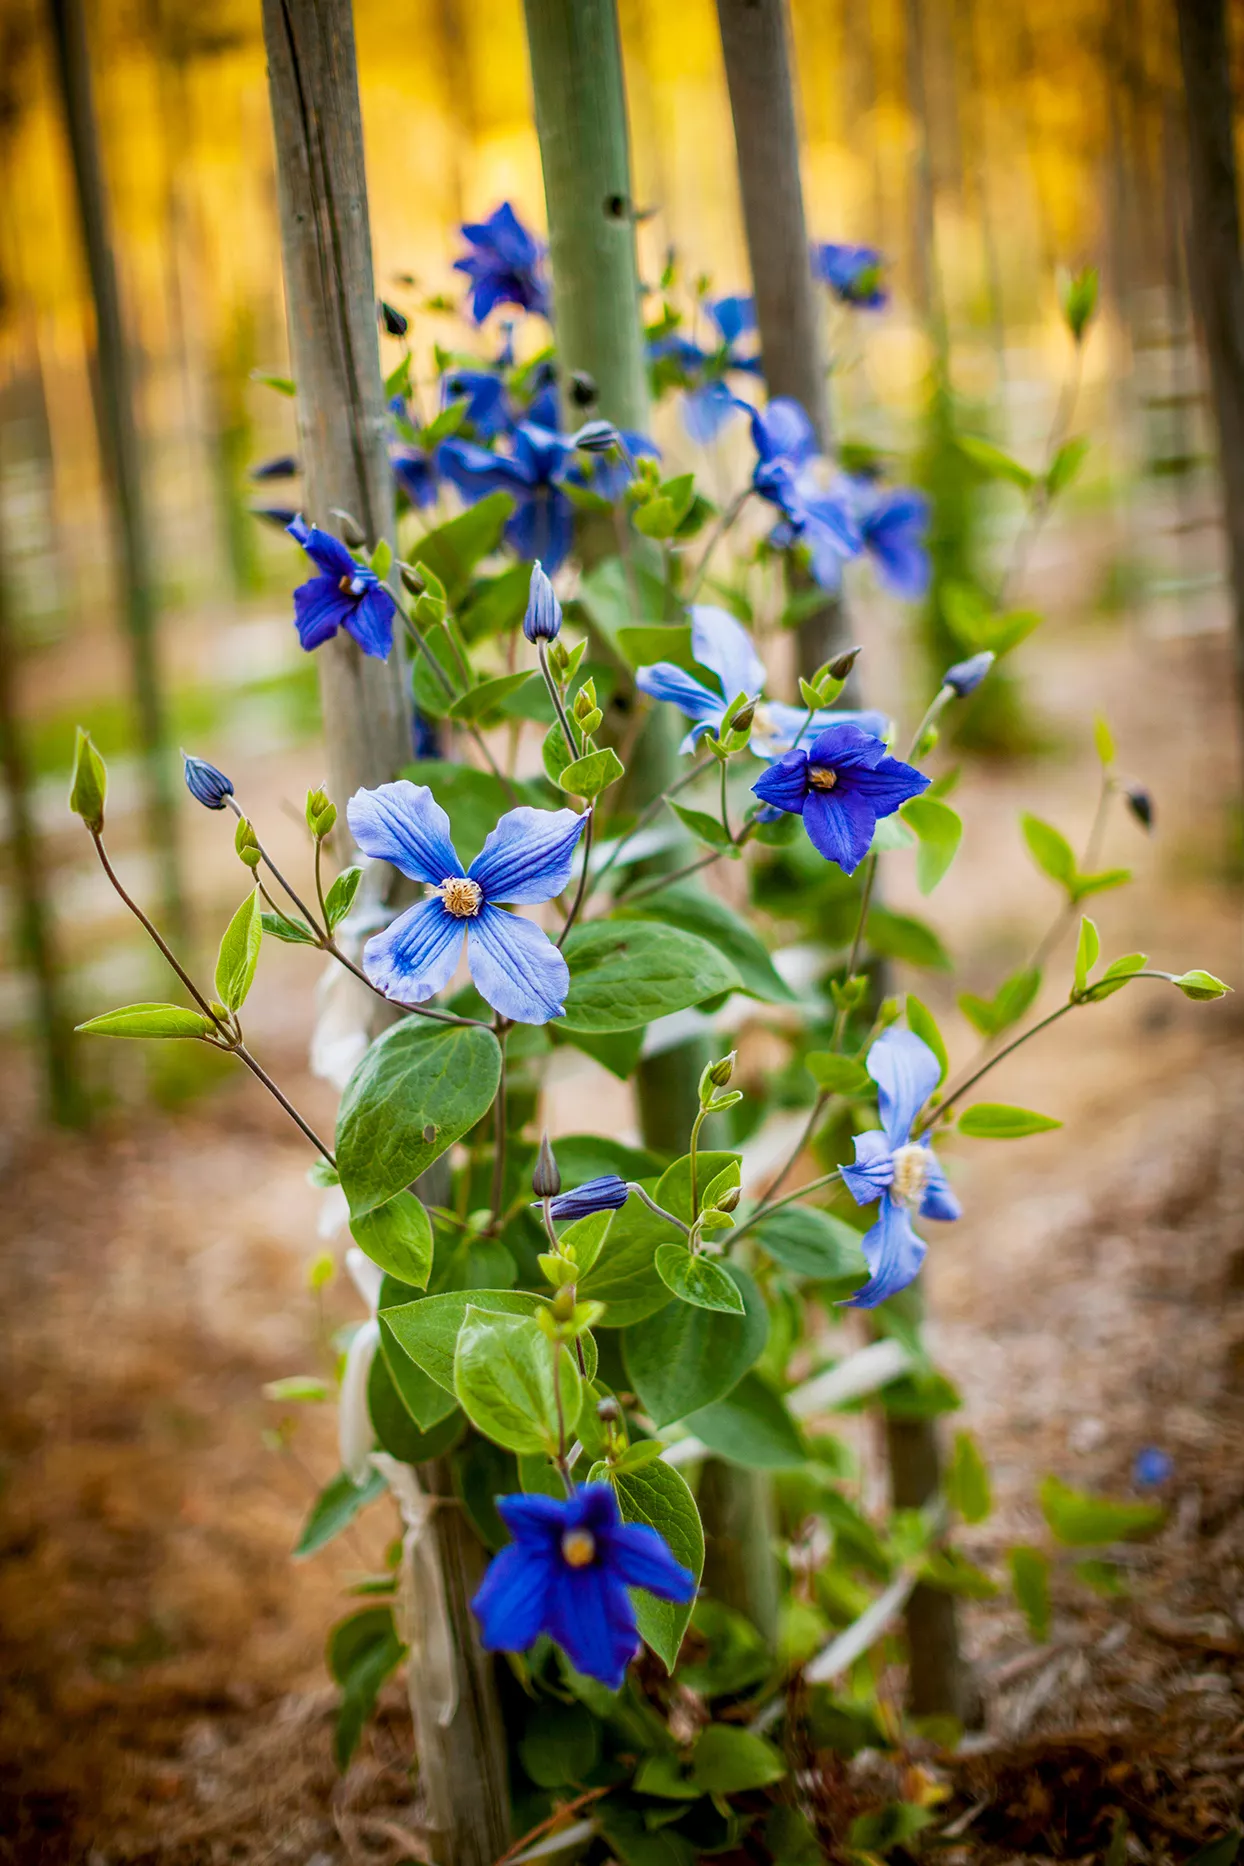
x: 159, y: 939
x: 817, y: 1109
x: 243, y: 1054
x: 542, y: 1827
x: 301, y: 905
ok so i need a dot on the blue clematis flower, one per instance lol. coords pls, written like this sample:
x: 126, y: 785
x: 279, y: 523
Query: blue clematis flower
x: 709, y: 404
x: 346, y: 595
x: 567, y: 1573
x: 414, y: 468
x: 543, y: 523
x: 483, y: 391
x: 504, y: 267
x: 819, y: 520
x: 526, y: 859
x: 205, y: 783
x: 543, y: 618
x: 841, y: 785
x: 893, y: 523
x: 853, y: 274
x: 723, y: 646
x: 901, y: 1172
x: 607, y: 1194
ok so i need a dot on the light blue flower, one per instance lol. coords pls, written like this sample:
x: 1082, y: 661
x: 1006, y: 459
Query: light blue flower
x: 820, y: 521
x: 542, y: 524
x: 893, y: 523
x: 526, y: 859
x: 853, y: 273
x: 567, y: 1573
x: 543, y: 618
x: 892, y: 1167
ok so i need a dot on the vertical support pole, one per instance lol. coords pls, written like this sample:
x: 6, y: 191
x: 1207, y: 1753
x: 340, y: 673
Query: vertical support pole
x: 119, y: 444
x: 335, y: 354
x: 1214, y: 260
x: 34, y: 939
x: 755, y: 45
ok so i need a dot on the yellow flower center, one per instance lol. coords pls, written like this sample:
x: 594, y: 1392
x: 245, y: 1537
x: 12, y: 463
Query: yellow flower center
x: 820, y: 777
x: 578, y: 1548
x: 911, y: 1173
x: 462, y: 897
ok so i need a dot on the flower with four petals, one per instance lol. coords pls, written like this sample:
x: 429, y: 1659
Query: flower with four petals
x: 346, y: 595
x: 841, y: 785
x: 503, y: 265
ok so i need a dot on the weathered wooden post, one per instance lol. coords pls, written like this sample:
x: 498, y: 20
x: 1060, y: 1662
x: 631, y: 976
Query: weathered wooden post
x: 1214, y: 260
x: 755, y: 43
x: 335, y: 356
x: 119, y: 444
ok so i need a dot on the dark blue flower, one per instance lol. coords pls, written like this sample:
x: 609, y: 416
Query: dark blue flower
x: 892, y: 527
x: 345, y: 595
x: 607, y: 1194
x: 205, y: 783
x: 543, y: 523
x: 567, y: 1573
x: 841, y: 785
x: 283, y: 467
x: 543, y: 620
x: 416, y: 474
x: 966, y: 676
x: 483, y: 391
x: 818, y: 520
x: 526, y: 859
x: 1153, y: 1467
x: 504, y: 266
x: 901, y: 1172
x: 853, y: 274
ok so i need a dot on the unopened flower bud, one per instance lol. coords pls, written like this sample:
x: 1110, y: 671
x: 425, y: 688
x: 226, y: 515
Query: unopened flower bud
x: 585, y: 701
x: 889, y: 1012
x: 729, y: 1199
x: 205, y: 783
x: 598, y: 437
x: 1140, y: 803
x: 543, y: 619
x: 609, y: 1193
x: 411, y: 580
x: 90, y: 783
x: 583, y: 390
x: 966, y: 676
x: 395, y: 323
x: 284, y: 466
x: 719, y: 1073
x: 321, y: 813
x: 546, y: 1181
x: 608, y: 1411
x: 246, y: 843
x: 352, y: 533
x: 742, y: 721
x: 842, y: 664
x: 563, y: 1303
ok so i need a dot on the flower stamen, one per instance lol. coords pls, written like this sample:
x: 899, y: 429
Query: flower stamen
x: 578, y: 1548
x: 462, y: 896
x: 911, y: 1173
x: 820, y: 777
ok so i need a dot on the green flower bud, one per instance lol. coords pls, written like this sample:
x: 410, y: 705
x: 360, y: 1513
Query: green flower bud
x: 842, y: 664
x: 321, y: 813
x: 246, y: 843
x: 1201, y: 986
x: 90, y: 783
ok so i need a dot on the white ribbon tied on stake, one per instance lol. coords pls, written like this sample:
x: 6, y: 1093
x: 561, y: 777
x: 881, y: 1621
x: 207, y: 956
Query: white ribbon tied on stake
x: 422, y: 1612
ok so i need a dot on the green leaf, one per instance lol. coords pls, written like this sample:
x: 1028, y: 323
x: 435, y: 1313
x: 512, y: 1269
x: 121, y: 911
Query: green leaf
x: 585, y: 1237
x: 1218, y: 1853
x: 950, y: 1570
x: 922, y: 1023
x: 284, y: 385
x: 494, y: 605
x: 362, y: 1652
x: 1050, y: 850
x: 657, y: 1495
x: 382, y: 559
x: 705, y: 828
x: 1030, y: 1582
x: 812, y: 1243
x: 967, y: 1482
x: 335, y: 1509
x: 395, y: 1425
x: 624, y: 973
x: 1064, y: 467
x: 1084, y: 885
x: 418, y: 1089
x: 729, y: 1761
x: 1200, y: 986
x: 751, y: 1427
x: 452, y: 551
x: 1007, y: 1006
x: 624, y: 1276
x: 427, y: 1402
x: 652, y: 642
x: 148, y: 1020
x: 697, y: 1280
x: 89, y: 785
x: 560, y: 1746
x: 293, y: 931
x: 695, y: 910
x: 1103, y: 739
x: 940, y: 830
x: 674, y: 1189
x: 879, y: 1832
x: 588, y: 777
x: 1104, y: 1577
x: 298, y: 1389
x: 837, y: 1075
x: 485, y: 698
x: 993, y: 463
x: 661, y: 1774
x: 1079, y: 1520
x: 898, y: 936
x: 239, y: 953
x: 618, y: 1051
x: 428, y: 1330
x: 685, y: 1358
x: 996, y: 1120
x: 1088, y: 950
x: 398, y: 1236
x: 340, y: 897
x: 503, y: 1376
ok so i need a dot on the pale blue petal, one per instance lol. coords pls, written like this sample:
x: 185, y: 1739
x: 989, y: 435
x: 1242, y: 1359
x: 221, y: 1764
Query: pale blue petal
x: 664, y: 681
x: 939, y: 1201
x: 873, y: 1169
x: 402, y: 823
x: 417, y: 955
x: 516, y: 966
x: 906, y: 1073
x: 776, y: 726
x: 528, y: 857
x: 893, y: 1254
x: 706, y: 410
x: 724, y: 646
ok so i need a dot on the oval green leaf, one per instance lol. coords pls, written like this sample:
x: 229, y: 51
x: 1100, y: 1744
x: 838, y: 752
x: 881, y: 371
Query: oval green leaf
x: 697, y: 1280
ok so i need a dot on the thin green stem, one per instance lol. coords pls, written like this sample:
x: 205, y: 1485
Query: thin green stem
x: 260, y: 1073
x: 577, y: 902
x: 154, y: 934
x: 696, y: 1125
x: 931, y: 715
x: 274, y: 871
x: 659, y: 1209
x: 803, y: 728
x: 558, y: 704
x: 421, y: 642
x: 939, y: 1113
x: 818, y: 1108
x: 857, y: 940
x: 723, y: 525
x: 657, y: 882
x: 646, y: 816
x: 725, y: 802
x: 1039, y: 500
x: 501, y: 1028
x: 768, y: 1206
